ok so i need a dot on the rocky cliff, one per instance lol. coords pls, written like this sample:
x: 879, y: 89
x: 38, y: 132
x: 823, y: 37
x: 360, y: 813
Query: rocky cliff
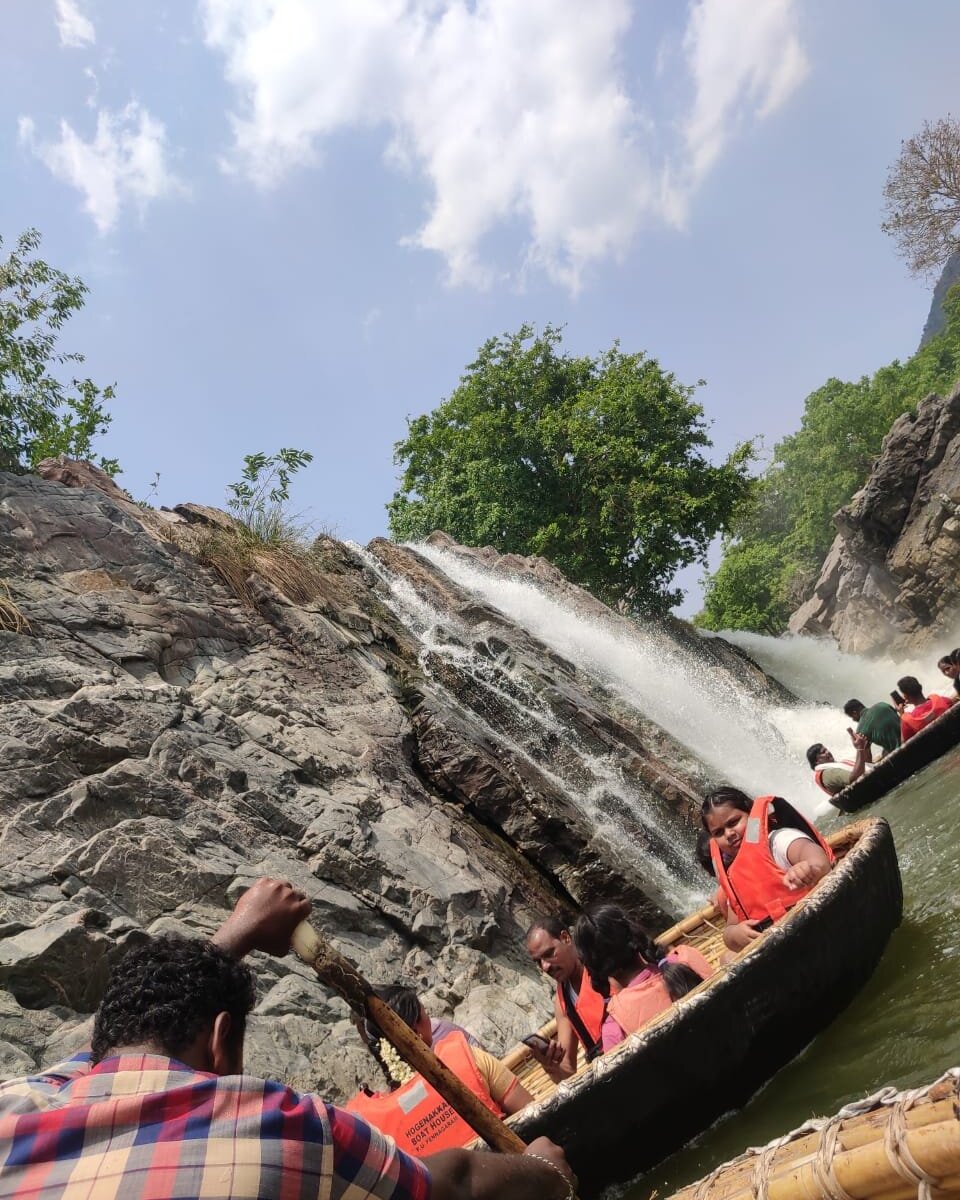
x: 937, y: 319
x: 891, y: 581
x: 165, y: 738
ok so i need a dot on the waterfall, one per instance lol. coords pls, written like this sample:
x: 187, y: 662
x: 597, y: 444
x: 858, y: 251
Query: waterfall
x: 650, y: 841
x: 753, y: 742
x: 815, y: 669
x: 756, y: 745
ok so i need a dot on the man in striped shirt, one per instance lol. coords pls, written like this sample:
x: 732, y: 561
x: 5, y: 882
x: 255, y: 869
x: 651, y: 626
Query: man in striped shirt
x: 160, y: 1107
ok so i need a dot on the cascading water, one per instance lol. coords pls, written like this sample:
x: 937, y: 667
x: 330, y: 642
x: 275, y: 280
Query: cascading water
x: 754, y: 745
x: 615, y: 805
x: 816, y: 670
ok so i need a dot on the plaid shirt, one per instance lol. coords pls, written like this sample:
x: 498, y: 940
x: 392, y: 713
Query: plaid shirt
x: 149, y: 1127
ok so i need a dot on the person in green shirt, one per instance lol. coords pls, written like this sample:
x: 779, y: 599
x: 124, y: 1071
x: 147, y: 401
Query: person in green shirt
x: 880, y: 722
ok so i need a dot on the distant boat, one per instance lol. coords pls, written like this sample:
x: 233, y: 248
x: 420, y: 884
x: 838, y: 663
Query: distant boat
x: 922, y: 749
x: 709, y: 1052
x: 889, y: 1144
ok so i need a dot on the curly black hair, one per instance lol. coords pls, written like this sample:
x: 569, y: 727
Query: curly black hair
x: 167, y: 991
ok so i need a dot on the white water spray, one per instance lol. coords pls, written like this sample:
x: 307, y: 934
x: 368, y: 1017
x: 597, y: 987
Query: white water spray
x: 595, y: 784
x: 756, y: 746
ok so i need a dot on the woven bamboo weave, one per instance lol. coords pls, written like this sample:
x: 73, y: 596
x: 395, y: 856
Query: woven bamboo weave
x: 891, y: 1146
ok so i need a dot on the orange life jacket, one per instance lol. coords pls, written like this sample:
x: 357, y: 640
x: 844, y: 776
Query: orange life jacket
x: 416, y: 1116
x: 590, y: 1009
x: 753, y: 883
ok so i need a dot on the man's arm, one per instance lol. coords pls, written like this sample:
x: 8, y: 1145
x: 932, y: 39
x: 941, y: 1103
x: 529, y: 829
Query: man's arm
x: 264, y: 918
x: 861, y: 744
x: 559, y: 1060
x: 466, y: 1175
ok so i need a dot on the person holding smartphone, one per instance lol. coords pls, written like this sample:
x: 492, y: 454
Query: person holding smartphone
x: 923, y: 709
x: 578, y: 1007
x: 880, y: 722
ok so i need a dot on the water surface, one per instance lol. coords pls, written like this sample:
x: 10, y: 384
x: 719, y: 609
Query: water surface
x: 903, y: 1028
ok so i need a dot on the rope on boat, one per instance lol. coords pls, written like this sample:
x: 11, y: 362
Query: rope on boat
x: 894, y: 1141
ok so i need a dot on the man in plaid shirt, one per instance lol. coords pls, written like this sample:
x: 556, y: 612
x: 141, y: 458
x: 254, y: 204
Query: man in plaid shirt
x: 159, y: 1107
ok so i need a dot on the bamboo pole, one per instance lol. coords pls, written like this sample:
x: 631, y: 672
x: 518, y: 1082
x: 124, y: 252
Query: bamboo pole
x: 340, y: 974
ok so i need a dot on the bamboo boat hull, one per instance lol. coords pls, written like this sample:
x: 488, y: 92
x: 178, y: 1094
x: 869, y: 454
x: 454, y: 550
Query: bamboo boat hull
x: 710, y: 1052
x: 929, y: 744
x: 887, y: 1145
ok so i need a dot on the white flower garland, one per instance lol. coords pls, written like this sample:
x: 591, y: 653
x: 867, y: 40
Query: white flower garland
x: 398, y: 1069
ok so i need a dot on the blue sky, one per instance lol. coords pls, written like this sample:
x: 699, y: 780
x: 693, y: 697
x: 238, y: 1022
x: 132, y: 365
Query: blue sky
x: 299, y: 219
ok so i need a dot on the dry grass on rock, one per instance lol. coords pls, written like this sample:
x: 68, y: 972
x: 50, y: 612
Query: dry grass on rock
x: 11, y: 618
x: 272, y: 546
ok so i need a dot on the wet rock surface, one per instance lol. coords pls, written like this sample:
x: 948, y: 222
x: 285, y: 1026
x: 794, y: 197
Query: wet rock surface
x: 891, y: 581
x: 163, y: 744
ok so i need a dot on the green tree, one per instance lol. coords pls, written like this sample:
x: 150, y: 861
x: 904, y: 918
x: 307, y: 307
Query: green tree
x: 40, y: 415
x: 747, y: 590
x: 788, y: 518
x: 595, y: 463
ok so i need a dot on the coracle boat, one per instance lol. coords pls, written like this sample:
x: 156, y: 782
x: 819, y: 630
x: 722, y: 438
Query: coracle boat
x: 893, y: 1144
x: 709, y: 1052
x: 922, y: 749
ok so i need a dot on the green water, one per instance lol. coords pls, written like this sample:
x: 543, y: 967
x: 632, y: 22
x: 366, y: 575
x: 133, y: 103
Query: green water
x: 903, y: 1028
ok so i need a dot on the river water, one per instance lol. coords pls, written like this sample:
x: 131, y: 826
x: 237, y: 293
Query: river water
x: 903, y: 1028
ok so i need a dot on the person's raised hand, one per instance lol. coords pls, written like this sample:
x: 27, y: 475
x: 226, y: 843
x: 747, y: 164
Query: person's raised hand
x: 264, y: 918
x: 861, y: 742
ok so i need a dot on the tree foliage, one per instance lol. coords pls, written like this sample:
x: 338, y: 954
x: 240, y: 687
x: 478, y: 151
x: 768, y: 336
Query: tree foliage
x: 922, y: 196
x: 781, y: 536
x: 265, y: 482
x: 596, y: 463
x: 40, y: 415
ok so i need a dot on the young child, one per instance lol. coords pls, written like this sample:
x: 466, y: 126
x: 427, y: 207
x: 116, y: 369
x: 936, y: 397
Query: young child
x: 766, y: 857
x: 626, y: 964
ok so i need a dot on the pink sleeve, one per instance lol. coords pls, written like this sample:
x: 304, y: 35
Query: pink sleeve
x: 610, y: 1033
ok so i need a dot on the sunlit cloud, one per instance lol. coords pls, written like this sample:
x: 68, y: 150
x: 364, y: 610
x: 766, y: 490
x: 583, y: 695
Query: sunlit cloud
x: 518, y: 116
x: 125, y: 163
x: 74, y: 27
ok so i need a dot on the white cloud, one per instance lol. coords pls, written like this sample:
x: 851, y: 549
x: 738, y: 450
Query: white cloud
x: 75, y: 28
x: 745, y: 58
x: 124, y: 163
x: 518, y: 115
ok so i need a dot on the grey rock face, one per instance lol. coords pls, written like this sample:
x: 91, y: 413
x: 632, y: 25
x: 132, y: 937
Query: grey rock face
x: 891, y: 581
x: 936, y: 318
x: 161, y: 746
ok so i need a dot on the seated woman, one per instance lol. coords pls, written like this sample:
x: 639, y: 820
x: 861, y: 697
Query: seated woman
x: 766, y: 857
x: 623, y: 959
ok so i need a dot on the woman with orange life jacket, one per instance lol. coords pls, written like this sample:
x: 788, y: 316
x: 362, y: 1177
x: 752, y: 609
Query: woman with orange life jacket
x: 626, y: 964
x: 578, y: 1008
x: 766, y: 857
x: 413, y: 1112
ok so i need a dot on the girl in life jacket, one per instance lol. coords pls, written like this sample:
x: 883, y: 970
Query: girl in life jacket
x: 766, y: 857
x: 626, y: 964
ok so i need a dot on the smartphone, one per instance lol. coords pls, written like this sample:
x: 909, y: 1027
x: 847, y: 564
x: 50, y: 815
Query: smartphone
x: 897, y: 698
x: 764, y: 924
x: 536, y: 1042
